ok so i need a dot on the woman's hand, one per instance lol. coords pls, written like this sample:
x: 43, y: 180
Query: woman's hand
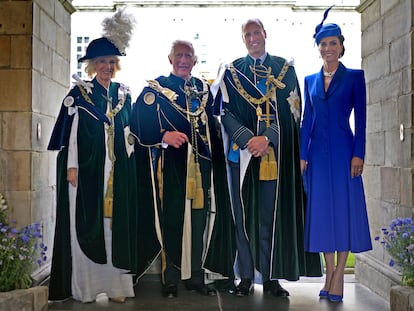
x: 357, y: 166
x: 72, y: 176
x: 303, y: 166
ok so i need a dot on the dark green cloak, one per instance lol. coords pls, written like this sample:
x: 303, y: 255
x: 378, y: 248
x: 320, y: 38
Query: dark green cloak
x: 153, y: 114
x: 90, y: 190
x: 289, y: 260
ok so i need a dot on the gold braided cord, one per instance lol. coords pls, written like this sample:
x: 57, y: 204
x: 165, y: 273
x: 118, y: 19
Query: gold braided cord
x: 200, y: 109
x: 268, y: 164
x: 110, y: 130
x: 112, y: 112
x: 194, y: 180
x: 271, y: 84
x: 172, y: 97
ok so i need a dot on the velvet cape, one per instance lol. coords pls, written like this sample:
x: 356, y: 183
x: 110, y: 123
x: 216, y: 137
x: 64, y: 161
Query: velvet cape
x: 90, y: 194
x: 170, y: 204
x: 289, y: 260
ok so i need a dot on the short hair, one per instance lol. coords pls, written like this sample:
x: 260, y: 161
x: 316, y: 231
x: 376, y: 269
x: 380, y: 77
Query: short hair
x: 182, y: 42
x: 90, y: 66
x: 252, y: 21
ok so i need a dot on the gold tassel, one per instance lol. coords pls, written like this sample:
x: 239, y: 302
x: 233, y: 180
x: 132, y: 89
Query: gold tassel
x: 198, y: 202
x: 191, y: 178
x: 109, y: 197
x: 268, y: 166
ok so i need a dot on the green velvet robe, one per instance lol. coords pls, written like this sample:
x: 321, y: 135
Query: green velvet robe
x: 90, y: 191
x: 289, y: 260
x: 153, y: 114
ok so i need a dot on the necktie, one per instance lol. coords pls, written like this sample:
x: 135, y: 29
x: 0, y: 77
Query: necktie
x: 258, y: 78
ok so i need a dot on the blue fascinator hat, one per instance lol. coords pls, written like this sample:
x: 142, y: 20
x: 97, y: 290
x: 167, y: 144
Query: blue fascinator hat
x: 327, y: 30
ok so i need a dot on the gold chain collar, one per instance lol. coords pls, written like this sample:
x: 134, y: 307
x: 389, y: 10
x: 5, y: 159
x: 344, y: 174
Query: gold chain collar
x: 112, y: 112
x: 271, y: 84
x: 172, y: 97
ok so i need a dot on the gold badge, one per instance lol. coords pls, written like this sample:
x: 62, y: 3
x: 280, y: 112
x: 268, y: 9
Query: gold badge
x: 149, y: 98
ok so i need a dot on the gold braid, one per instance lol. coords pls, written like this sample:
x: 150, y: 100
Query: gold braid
x: 194, y: 180
x: 271, y: 85
x: 268, y: 163
x: 110, y: 129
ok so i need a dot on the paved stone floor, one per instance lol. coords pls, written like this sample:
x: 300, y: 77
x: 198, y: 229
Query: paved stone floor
x: 303, y: 297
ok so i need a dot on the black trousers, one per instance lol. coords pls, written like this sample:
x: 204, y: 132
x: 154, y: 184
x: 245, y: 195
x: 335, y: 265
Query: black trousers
x: 266, y: 206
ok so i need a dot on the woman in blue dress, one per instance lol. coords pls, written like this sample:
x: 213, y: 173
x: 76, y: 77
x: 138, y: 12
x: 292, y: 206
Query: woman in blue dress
x: 332, y: 160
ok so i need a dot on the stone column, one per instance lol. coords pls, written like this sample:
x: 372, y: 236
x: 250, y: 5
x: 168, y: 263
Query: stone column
x: 387, y: 59
x: 34, y: 75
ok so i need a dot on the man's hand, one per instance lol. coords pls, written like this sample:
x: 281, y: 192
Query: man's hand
x: 174, y: 139
x: 258, y: 146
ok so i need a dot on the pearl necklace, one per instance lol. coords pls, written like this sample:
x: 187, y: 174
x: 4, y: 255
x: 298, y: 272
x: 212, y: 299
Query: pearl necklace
x: 329, y: 73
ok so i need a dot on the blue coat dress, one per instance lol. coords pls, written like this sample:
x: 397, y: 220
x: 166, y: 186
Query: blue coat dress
x: 336, y: 216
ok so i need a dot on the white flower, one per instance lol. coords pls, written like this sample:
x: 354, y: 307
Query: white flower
x: 294, y: 102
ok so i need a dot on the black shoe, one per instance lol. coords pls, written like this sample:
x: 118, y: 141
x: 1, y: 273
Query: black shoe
x: 202, y: 289
x: 225, y: 285
x: 274, y: 288
x: 245, y: 288
x: 169, y: 291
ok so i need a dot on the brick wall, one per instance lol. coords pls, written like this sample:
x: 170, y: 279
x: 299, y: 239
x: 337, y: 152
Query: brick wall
x: 34, y: 76
x: 387, y: 60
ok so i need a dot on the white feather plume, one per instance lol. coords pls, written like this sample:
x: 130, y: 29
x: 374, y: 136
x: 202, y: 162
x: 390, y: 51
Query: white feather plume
x: 118, y: 29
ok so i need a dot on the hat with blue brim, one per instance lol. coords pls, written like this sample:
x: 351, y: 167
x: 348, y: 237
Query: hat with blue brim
x: 327, y: 30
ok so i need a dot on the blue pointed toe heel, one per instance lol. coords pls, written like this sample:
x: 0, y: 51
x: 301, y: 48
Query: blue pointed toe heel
x: 335, y: 298
x: 323, y: 294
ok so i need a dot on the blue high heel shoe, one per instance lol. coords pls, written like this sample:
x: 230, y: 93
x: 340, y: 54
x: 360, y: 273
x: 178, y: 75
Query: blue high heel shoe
x: 323, y: 294
x: 335, y: 298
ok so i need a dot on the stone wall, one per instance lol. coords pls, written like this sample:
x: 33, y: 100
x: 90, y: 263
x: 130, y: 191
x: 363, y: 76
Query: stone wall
x: 33, y: 299
x: 34, y: 75
x: 387, y: 61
